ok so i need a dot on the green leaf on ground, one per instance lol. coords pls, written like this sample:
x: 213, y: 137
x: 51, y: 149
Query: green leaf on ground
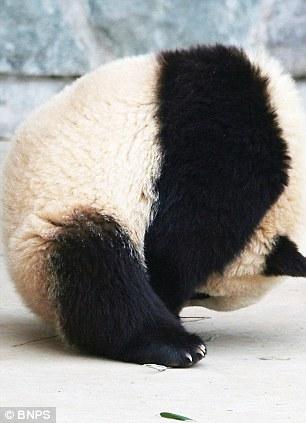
x: 174, y: 416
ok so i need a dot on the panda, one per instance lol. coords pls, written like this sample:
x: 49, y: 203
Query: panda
x: 150, y: 183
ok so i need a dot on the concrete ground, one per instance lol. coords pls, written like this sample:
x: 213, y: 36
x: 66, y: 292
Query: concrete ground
x: 255, y: 369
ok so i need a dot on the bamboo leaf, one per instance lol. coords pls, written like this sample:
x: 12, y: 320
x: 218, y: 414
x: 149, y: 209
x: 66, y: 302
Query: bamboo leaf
x: 174, y: 416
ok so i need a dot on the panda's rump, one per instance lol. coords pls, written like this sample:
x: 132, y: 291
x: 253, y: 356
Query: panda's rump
x: 92, y: 146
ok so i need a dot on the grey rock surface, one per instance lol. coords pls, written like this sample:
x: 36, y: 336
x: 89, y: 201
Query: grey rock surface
x: 35, y: 39
x: 67, y: 38
x: 281, y: 27
x: 54, y: 37
x: 140, y: 26
x: 20, y: 96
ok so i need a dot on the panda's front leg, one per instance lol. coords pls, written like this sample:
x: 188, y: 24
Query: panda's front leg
x: 173, y: 288
x: 173, y: 276
x: 178, y: 261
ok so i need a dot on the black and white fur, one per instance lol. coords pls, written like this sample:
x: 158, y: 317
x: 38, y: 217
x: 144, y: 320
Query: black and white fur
x: 154, y: 182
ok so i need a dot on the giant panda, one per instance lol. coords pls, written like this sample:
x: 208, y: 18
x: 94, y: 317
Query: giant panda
x: 151, y: 183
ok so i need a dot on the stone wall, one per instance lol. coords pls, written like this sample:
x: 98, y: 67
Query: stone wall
x: 44, y: 44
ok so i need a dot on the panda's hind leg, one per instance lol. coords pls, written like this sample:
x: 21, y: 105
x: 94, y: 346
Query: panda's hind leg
x: 106, y: 305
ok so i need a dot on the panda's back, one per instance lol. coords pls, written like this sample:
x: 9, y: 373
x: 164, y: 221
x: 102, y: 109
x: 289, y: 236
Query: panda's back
x: 94, y: 144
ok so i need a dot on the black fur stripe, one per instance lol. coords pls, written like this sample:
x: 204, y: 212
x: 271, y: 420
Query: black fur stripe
x: 224, y: 164
x: 285, y: 259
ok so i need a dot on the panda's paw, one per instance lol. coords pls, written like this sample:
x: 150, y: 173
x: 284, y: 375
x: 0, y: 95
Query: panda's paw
x: 179, y: 349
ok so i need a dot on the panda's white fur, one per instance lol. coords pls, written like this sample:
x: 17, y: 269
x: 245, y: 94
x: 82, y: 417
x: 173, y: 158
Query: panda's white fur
x: 94, y: 145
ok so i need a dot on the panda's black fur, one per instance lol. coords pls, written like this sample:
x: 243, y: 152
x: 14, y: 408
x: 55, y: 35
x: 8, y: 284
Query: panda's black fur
x: 107, y: 306
x: 221, y: 143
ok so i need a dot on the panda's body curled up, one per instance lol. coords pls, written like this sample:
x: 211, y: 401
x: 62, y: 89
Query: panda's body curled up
x: 151, y: 183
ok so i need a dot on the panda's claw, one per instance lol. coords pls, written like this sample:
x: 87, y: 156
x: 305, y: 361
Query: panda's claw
x: 203, y: 349
x: 189, y: 357
x: 200, y: 353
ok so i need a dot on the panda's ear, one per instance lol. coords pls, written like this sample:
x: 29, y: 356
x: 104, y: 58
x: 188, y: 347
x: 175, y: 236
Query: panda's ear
x: 285, y: 259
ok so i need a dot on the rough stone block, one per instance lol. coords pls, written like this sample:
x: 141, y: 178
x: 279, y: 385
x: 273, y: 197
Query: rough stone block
x: 135, y: 27
x: 18, y: 97
x: 281, y: 27
x: 36, y: 39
